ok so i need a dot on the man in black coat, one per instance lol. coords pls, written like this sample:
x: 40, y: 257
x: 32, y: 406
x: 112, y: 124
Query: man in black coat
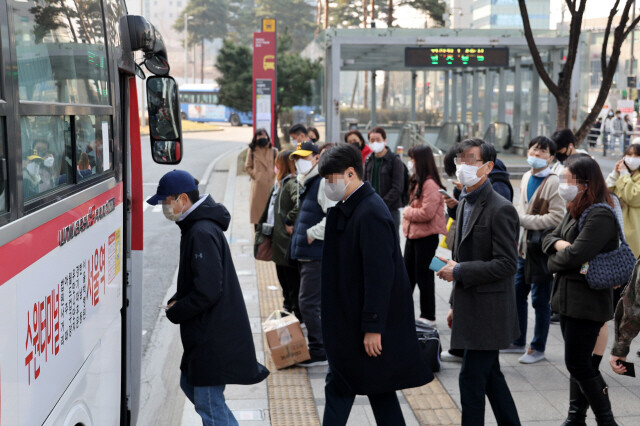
x: 483, y: 267
x: 368, y: 321
x: 214, y: 325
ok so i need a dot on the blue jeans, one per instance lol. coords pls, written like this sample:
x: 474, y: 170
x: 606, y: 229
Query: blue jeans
x: 209, y: 403
x: 540, y: 300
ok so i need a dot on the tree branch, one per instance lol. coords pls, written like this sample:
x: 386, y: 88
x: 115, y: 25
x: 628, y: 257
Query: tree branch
x: 632, y: 25
x: 564, y: 81
x: 607, y: 32
x: 572, y: 6
x: 535, y: 53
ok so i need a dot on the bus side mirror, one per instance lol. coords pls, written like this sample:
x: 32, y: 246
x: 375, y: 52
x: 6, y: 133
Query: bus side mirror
x: 165, y: 127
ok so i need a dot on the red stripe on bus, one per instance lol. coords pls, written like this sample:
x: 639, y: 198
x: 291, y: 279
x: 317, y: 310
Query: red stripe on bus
x: 27, y: 249
x: 137, y: 196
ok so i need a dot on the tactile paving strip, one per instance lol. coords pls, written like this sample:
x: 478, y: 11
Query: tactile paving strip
x: 290, y: 396
x: 432, y: 405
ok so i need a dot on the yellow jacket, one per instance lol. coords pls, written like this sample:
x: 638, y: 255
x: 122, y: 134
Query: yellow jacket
x: 627, y: 187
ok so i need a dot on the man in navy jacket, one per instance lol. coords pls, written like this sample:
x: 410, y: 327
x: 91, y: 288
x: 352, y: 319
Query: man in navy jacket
x: 214, y: 325
x: 368, y: 321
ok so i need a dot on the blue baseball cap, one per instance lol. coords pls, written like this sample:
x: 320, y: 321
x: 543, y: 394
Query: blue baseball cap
x: 172, y: 183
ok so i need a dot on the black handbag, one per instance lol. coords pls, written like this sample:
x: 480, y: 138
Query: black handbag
x: 429, y: 340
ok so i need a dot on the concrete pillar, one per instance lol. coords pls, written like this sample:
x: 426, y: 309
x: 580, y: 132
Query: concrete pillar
x: 517, y: 101
x: 332, y: 100
x: 373, y: 99
x: 446, y: 116
x: 535, y: 104
x: 502, y: 94
x: 463, y: 97
x: 475, y: 97
x: 454, y: 97
x: 414, y: 77
x: 488, y: 96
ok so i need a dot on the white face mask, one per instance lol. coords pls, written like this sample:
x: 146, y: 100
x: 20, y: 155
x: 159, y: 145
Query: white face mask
x: 377, y: 147
x: 632, y: 162
x: 567, y: 192
x: 336, y: 191
x: 167, y: 210
x: 33, y: 168
x: 468, y: 175
x: 303, y: 166
x: 410, y: 166
x: 48, y: 162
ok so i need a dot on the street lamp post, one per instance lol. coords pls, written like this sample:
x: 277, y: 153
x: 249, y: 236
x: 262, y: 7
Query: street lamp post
x: 186, y: 50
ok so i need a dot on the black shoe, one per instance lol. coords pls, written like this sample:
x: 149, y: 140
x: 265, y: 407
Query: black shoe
x: 578, y: 405
x: 313, y: 362
x: 555, y: 318
x: 597, y: 393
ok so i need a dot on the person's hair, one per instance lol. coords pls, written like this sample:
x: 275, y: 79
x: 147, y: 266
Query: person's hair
x: 544, y: 142
x: 254, y: 140
x: 298, y: 128
x: 358, y: 135
x: 378, y: 130
x: 626, y: 116
x: 633, y: 149
x: 83, y: 161
x: 194, y: 196
x: 563, y: 138
x: 424, y: 168
x: 617, y: 111
x: 286, y: 166
x: 325, y: 146
x: 587, y: 171
x: 487, y: 150
x: 449, y: 160
x: 339, y: 158
x: 314, y: 130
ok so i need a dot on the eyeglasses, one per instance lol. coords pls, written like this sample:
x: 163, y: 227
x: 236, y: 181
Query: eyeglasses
x: 467, y: 160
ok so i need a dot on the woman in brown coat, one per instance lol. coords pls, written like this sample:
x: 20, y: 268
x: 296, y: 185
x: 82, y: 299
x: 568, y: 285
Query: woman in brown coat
x: 260, y: 165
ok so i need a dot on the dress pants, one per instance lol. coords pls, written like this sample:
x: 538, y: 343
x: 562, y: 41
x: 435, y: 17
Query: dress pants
x: 338, y: 403
x: 289, y: 278
x: 480, y: 375
x: 418, y: 253
x: 310, y: 305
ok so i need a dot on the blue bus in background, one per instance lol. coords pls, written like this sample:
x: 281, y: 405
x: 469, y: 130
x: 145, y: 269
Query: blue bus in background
x: 199, y: 102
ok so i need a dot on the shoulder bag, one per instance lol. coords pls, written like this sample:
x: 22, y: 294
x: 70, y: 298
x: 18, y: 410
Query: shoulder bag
x: 610, y: 269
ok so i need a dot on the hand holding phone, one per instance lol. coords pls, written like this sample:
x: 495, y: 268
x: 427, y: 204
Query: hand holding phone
x: 446, y: 194
x: 630, y: 368
x: 436, y: 264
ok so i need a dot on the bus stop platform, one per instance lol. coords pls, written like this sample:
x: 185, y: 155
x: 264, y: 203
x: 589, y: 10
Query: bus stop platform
x: 295, y: 396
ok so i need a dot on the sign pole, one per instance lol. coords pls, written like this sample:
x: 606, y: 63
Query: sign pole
x: 265, y: 89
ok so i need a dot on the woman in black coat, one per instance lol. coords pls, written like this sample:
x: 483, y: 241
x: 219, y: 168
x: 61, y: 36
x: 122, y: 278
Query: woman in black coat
x: 583, y: 310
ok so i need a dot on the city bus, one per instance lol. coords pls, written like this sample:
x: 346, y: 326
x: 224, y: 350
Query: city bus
x: 71, y: 207
x: 199, y: 102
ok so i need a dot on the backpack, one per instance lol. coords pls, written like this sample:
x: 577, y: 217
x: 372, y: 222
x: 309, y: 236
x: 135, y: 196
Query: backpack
x: 405, y: 197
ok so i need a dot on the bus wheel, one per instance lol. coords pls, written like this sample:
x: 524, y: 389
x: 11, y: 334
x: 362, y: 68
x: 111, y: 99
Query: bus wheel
x: 235, y: 120
x: 183, y: 115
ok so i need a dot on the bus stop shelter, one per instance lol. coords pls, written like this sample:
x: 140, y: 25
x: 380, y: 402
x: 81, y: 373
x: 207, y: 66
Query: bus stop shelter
x: 461, y: 86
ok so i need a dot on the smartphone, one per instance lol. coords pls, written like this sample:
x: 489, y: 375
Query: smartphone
x: 631, y: 368
x: 445, y: 193
x: 436, y: 264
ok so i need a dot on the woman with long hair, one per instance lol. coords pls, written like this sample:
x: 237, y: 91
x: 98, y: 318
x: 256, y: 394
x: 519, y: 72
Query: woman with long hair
x: 422, y: 223
x: 281, y: 212
x: 354, y: 137
x: 260, y: 164
x: 583, y: 310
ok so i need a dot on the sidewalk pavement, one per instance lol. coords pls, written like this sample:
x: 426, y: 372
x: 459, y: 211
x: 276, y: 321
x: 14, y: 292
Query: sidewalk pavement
x: 541, y: 391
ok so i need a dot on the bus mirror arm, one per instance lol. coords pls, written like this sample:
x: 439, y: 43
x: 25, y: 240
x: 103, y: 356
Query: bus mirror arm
x: 144, y: 37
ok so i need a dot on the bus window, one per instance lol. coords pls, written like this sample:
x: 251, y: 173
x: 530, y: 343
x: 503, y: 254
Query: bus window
x: 46, y: 153
x: 214, y: 100
x: 61, y: 53
x: 3, y: 170
x: 93, y: 138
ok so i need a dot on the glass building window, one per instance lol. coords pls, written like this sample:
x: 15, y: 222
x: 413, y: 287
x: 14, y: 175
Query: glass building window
x: 61, y: 53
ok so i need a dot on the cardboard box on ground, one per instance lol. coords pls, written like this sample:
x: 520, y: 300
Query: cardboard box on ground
x: 285, y: 339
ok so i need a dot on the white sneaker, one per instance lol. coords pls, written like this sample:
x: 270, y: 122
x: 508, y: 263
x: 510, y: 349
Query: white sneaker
x: 531, y: 357
x: 514, y: 349
x: 448, y: 357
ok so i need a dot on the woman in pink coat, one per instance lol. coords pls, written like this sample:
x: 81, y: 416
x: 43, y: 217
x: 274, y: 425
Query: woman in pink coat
x: 422, y: 223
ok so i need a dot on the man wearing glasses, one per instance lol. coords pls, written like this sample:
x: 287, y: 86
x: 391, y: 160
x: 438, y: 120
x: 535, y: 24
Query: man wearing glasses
x: 484, y: 317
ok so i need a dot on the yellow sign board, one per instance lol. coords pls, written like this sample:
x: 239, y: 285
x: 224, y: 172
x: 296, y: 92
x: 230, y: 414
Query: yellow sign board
x: 269, y: 25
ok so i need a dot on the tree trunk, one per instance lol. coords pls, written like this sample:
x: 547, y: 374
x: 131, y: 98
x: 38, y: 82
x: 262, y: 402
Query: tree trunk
x: 365, y: 92
x: 202, y: 62
x: 563, y: 104
x: 385, y: 91
x: 326, y: 14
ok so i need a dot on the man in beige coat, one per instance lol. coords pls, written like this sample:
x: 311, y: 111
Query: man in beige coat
x: 260, y: 165
x: 539, y: 208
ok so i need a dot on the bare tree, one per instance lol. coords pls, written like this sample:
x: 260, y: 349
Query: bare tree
x: 365, y: 92
x: 385, y: 87
x: 561, y: 89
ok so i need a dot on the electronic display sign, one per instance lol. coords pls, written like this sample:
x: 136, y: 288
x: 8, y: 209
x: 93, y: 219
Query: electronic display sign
x: 455, y: 57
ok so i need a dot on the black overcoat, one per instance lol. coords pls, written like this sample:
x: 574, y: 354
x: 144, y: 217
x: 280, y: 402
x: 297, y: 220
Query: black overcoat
x: 214, y: 325
x: 365, y: 288
x: 484, y: 304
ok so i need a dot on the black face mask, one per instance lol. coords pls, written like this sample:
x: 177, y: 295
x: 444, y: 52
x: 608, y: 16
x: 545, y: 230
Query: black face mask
x: 262, y: 142
x: 561, y: 157
x: 357, y: 145
x: 314, y: 140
